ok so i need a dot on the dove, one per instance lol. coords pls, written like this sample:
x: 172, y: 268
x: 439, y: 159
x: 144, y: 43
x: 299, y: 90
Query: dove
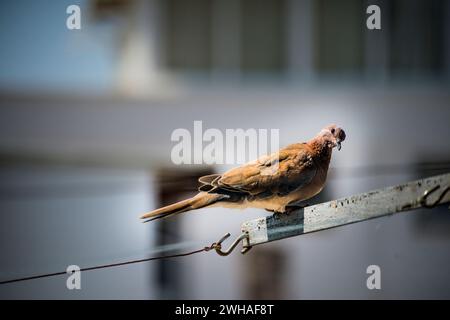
x: 278, y: 182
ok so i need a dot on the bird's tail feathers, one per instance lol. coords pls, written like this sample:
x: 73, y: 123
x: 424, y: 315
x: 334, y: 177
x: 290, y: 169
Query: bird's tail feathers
x: 201, y: 200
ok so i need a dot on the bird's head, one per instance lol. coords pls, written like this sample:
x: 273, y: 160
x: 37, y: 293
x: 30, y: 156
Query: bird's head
x: 333, y: 135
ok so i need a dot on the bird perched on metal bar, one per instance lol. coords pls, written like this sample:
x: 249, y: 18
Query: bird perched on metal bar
x: 278, y: 182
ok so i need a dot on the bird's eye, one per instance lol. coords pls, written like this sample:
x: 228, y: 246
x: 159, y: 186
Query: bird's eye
x: 332, y: 131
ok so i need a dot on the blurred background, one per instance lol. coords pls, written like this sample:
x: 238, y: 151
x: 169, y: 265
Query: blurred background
x: 86, y: 118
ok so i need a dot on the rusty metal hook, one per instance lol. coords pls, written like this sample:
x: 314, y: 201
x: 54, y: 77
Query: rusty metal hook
x: 218, y: 245
x: 426, y: 194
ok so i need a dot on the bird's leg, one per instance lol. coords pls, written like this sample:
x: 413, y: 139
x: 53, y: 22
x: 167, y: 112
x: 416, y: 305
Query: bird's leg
x: 288, y: 209
x: 291, y: 209
x: 295, y: 206
x: 275, y: 214
x: 298, y: 204
x: 286, y: 212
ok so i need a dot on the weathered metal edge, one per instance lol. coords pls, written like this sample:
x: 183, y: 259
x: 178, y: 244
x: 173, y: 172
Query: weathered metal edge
x: 364, y: 206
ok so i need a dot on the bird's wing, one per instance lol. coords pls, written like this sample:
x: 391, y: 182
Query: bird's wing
x: 279, y: 173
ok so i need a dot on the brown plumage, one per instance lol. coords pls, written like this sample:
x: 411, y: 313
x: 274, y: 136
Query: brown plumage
x: 275, y: 182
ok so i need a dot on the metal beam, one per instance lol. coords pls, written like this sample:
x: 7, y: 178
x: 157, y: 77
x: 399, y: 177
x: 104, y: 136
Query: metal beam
x: 421, y: 193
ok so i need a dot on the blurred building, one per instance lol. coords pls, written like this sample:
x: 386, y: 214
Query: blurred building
x: 86, y: 118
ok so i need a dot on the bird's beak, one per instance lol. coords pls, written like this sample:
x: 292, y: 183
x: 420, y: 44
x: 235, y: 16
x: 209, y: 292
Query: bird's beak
x: 339, y: 145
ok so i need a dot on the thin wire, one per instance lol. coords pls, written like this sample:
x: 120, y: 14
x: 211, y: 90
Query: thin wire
x: 205, y: 249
